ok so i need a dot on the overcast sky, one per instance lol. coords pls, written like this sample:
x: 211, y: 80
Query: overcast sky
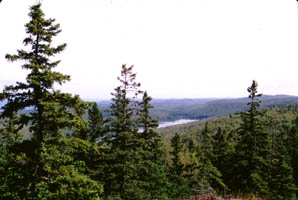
x: 180, y: 48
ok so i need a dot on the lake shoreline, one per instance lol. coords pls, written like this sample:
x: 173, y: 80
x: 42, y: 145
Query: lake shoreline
x: 176, y: 122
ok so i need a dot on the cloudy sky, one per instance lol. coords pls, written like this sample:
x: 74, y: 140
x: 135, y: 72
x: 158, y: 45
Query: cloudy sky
x: 180, y: 48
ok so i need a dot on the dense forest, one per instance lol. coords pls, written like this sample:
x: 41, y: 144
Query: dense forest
x: 248, y: 155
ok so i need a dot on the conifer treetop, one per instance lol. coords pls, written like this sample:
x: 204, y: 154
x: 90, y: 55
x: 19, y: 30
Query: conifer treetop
x: 253, y: 95
x: 51, y: 108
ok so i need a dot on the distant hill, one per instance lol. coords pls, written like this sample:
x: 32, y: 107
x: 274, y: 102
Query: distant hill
x: 173, y: 109
x: 277, y: 119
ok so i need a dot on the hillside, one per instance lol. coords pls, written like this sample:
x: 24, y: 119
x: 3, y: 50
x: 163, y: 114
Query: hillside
x: 173, y: 109
x: 277, y: 119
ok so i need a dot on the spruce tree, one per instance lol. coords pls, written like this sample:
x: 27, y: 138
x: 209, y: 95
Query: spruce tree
x: 145, y: 121
x: 51, y: 109
x: 124, y: 158
x: 252, y: 150
x: 124, y: 102
x: 49, y: 113
x: 153, y: 168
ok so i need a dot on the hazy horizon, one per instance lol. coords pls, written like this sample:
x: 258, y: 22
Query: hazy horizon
x: 186, y: 98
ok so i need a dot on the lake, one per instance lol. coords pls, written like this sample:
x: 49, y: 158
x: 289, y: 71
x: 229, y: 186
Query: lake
x: 180, y: 121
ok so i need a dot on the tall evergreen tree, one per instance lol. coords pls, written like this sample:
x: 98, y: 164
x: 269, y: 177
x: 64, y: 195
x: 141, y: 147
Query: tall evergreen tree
x: 51, y: 111
x: 124, y: 102
x: 253, y: 150
x: 124, y: 158
x: 51, y: 108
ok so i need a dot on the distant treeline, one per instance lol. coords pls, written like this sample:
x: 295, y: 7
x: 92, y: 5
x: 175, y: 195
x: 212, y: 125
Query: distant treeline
x: 174, y: 109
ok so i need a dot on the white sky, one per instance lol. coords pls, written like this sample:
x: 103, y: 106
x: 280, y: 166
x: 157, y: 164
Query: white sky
x: 180, y: 48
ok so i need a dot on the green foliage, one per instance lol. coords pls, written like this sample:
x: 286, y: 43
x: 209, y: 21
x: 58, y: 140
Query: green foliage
x: 66, y: 166
x: 153, y: 172
x: 280, y: 123
x: 209, y: 175
x: 36, y: 169
x: 96, y: 124
x: 291, y: 142
x: 9, y: 133
x: 223, y: 156
x: 124, y: 158
x: 53, y: 110
x: 69, y: 162
x: 9, y: 137
x: 179, y: 186
x: 177, y: 165
x: 252, y: 150
x: 282, y: 185
x: 277, y: 144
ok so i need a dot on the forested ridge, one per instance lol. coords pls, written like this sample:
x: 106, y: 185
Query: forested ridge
x: 175, y: 109
x: 248, y: 155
